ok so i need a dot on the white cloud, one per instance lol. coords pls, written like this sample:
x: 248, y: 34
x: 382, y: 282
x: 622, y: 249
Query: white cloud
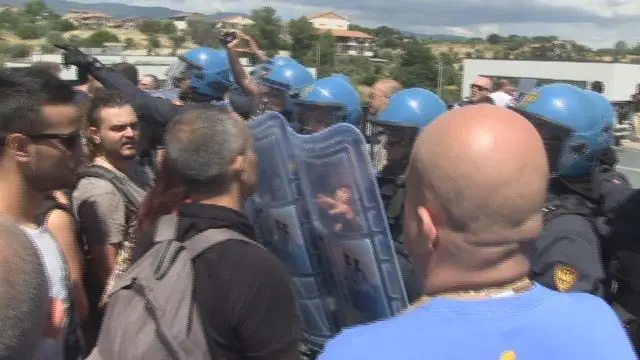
x: 596, y: 23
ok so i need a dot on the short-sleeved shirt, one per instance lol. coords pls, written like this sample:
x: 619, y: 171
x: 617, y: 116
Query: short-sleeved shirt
x: 101, y: 209
x: 59, y: 284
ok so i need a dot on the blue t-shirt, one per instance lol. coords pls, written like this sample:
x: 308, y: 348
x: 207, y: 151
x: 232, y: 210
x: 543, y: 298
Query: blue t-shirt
x: 540, y: 324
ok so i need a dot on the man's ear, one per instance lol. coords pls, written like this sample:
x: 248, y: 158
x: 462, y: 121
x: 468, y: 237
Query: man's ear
x: 237, y: 166
x: 425, y: 221
x: 94, y: 135
x: 18, y: 146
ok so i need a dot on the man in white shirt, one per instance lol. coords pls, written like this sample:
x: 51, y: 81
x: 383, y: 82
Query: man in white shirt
x: 504, y: 95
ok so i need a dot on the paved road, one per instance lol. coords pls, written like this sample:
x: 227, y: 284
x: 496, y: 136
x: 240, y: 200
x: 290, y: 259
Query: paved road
x: 629, y: 163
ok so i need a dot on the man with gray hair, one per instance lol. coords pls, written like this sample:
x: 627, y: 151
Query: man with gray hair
x: 244, y: 294
x: 24, y: 295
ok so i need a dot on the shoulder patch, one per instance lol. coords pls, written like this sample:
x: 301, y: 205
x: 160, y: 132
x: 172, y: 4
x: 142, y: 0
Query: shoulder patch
x: 529, y: 98
x: 564, y: 277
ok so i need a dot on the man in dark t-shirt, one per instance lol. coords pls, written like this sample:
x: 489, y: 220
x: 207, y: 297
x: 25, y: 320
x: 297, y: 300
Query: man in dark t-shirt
x: 243, y: 293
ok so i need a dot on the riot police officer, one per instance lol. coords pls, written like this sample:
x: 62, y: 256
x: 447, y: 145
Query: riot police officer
x: 391, y: 135
x: 207, y: 71
x: 327, y: 101
x: 567, y: 255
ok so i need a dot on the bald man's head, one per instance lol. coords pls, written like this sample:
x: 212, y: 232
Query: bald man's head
x: 380, y: 93
x: 477, y: 174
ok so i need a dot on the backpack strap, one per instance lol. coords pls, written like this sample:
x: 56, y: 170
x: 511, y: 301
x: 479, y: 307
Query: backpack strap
x: 166, y: 232
x: 206, y: 239
x: 103, y: 173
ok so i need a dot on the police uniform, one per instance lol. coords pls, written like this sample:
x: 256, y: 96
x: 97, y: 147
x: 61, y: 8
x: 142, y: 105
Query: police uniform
x: 568, y: 254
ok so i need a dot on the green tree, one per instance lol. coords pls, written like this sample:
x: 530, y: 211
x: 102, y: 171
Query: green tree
x: 9, y: 19
x: 15, y: 51
x: 129, y: 43
x: 63, y: 25
x: 29, y: 31
x: 177, y: 41
x: 325, y: 55
x: 494, y: 39
x: 203, y: 33
x: 75, y: 40
x: 153, y: 43
x: 98, y: 38
x: 54, y: 37
x: 303, y: 37
x: 359, y: 68
x: 37, y: 9
x: 169, y: 28
x: 266, y: 29
x: 151, y: 27
x: 417, y: 67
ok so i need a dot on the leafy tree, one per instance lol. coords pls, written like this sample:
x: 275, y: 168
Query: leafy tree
x: 9, y: 19
x: 15, y: 51
x: 75, y: 40
x: 29, y: 31
x: 266, y: 29
x: 494, y: 39
x: 149, y: 27
x: 169, y: 28
x: 99, y: 37
x: 63, y: 25
x: 54, y: 37
x: 303, y: 37
x: 203, y: 33
x: 359, y: 68
x: 153, y: 43
x: 177, y: 41
x: 325, y: 54
x: 417, y: 67
x: 129, y: 43
x: 37, y: 9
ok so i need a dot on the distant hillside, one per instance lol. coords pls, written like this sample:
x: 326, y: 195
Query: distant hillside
x: 436, y: 37
x: 117, y: 10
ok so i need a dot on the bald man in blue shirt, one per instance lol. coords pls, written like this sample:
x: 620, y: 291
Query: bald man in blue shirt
x: 476, y: 186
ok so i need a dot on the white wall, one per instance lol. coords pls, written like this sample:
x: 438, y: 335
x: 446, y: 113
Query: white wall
x: 619, y: 79
x: 330, y: 24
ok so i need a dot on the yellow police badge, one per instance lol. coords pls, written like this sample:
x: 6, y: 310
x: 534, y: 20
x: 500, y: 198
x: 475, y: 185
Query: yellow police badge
x: 306, y: 91
x: 564, y: 277
x: 529, y: 98
x: 508, y: 355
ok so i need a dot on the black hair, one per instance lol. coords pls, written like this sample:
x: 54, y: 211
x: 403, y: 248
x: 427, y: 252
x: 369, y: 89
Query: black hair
x: 23, y: 93
x: 102, y: 100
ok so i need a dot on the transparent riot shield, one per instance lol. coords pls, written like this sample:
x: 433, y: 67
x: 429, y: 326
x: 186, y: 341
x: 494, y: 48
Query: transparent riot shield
x: 280, y: 214
x: 340, y: 187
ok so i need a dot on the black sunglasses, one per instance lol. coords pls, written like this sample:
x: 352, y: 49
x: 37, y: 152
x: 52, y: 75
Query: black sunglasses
x: 481, y: 88
x: 69, y: 141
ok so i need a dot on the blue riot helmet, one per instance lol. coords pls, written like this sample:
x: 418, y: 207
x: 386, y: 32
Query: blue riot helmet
x: 570, y: 125
x: 327, y: 101
x: 208, y: 71
x: 392, y: 132
x: 284, y: 82
x: 608, y: 114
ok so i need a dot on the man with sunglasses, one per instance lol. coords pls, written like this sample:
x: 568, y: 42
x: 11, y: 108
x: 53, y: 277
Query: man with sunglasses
x: 39, y: 129
x: 480, y: 93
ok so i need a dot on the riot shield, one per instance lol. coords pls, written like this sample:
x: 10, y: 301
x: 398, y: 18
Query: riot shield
x: 357, y: 249
x: 283, y: 225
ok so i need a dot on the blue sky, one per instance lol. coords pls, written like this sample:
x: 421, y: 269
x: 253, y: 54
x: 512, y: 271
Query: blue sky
x: 597, y: 23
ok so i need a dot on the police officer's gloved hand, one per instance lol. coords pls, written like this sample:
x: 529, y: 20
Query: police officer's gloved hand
x: 73, y: 56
